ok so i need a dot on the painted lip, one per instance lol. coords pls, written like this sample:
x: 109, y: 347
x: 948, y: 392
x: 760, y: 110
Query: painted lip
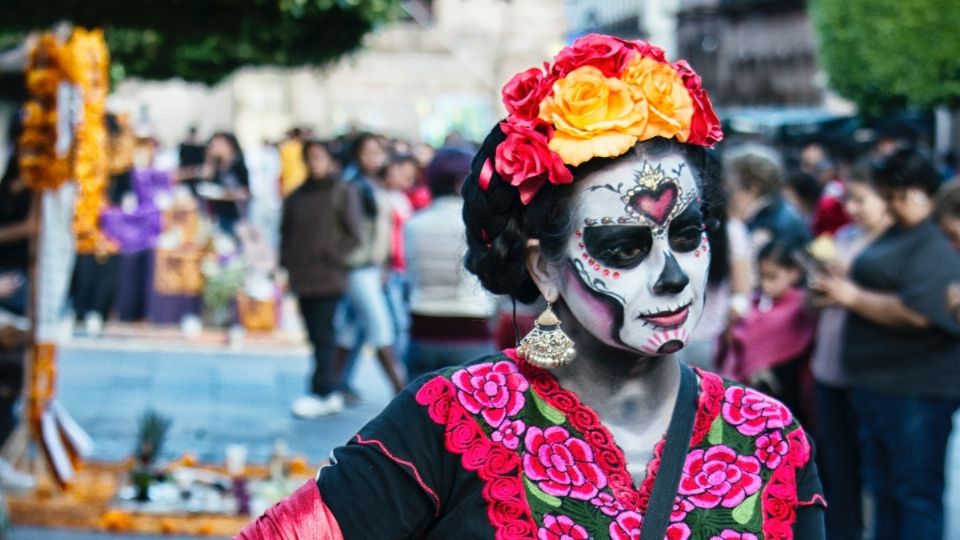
x: 667, y: 319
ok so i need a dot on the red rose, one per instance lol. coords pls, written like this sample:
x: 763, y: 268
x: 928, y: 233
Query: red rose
x: 475, y: 456
x: 626, y: 526
x: 608, y: 54
x: 752, y: 413
x: 525, y: 160
x: 561, y: 528
x: 562, y: 465
x: 498, y: 463
x: 705, y: 128
x: 778, y: 504
x: 463, y: 436
x: 718, y: 476
x: 799, y: 448
x: 494, y: 391
x: 435, y: 389
x: 519, y: 529
x: 770, y: 449
x: 524, y: 92
x: 503, y: 488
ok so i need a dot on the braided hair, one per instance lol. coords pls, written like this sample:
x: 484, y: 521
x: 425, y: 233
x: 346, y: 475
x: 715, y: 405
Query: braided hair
x: 499, y: 225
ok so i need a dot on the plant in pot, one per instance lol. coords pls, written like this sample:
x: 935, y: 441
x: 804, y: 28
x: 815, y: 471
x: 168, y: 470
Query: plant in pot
x: 151, y: 435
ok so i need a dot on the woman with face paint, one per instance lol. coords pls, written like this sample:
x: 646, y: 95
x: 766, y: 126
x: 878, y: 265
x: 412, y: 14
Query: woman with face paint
x: 595, y: 194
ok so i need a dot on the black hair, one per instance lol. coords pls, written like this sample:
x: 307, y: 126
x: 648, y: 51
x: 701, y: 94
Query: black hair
x: 446, y: 170
x: 781, y: 254
x: 948, y: 202
x: 239, y: 165
x: 315, y: 142
x: 499, y: 225
x: 806, y: 186
x: 396, y: 159
x: 907, y: 168
x: 359, y: 141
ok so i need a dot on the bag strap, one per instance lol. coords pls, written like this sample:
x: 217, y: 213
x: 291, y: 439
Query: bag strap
x: 664, y: 492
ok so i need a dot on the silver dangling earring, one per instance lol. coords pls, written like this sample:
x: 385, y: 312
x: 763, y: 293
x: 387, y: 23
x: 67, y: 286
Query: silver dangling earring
x: 546, y: 346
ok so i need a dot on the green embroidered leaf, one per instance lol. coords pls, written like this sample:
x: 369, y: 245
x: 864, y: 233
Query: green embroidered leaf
x: 715, y: 436
x: 744, y: 511
x: 552, y: 415
x: 540, y: 495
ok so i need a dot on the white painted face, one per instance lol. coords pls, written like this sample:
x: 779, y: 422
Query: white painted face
x: 638, y: 256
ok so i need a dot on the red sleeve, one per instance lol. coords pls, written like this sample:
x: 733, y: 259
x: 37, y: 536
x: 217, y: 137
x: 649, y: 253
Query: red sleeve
x: 301, y: 515
x: 829, y: 216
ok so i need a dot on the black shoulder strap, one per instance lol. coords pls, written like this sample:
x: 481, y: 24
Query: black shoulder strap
x: 664, y: 492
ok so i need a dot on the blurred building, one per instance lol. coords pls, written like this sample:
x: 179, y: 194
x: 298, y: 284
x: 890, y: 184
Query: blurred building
x: 752, y: 52
x: 438, y: 69
x: 654, y: 21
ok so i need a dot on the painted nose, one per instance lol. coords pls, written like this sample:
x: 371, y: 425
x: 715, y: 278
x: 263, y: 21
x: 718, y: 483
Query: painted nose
x: 672, y: 279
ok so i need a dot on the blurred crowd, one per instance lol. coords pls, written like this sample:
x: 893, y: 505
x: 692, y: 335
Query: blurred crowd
x: 834, y: 282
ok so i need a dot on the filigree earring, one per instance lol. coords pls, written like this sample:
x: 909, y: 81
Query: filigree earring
x: 546, y: 346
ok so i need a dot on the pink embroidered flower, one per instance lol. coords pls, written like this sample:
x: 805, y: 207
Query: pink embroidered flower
x: 561, y: 528
x: 560, y: 464
x: 771, y: 448
x: 681, y: 507
x: 730, y: 534
x: 628, y: 524
x: 495, y: 391
x: 718, y: 476
x: 509, y: 433
x: 607, y: 504
x: 752, y: 412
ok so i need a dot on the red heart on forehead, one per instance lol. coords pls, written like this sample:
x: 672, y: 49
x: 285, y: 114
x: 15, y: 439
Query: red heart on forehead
x: 656, y: 205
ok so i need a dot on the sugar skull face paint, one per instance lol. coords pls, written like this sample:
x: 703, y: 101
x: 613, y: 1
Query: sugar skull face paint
x: 640, y: 247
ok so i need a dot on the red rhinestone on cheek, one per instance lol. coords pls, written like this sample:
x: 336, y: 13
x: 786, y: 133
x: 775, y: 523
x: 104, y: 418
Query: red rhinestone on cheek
x: 591, y: 261
x: 606, y: 272
x: 585, y: 256
x: 579, y: 234
x: 596, y: 267
x: 580, y: 245
x: 616, y: 275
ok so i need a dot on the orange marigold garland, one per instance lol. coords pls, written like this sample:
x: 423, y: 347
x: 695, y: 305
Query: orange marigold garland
x: 40, y: 165
x: 88, y: 68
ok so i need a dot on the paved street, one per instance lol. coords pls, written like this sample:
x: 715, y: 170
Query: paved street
x: 218, y: 396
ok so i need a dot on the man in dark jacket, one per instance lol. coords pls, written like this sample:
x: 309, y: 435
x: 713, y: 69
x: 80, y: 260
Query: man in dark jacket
x: 321, y: 224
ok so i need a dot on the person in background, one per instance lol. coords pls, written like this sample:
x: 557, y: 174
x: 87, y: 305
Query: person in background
x: 191, y: 154
x: 226, y: 168
x: 802, y: 191
x: 321, y: 222
x: 947, y: 211
x: 837, y: 424
x: 365, y: 314
x: 769, y: 348
x: 947, y: 214
x: 451, y: 313
x: 900, y: 349
x: 753, y: 177
x: 398, y: 179
x: 827, y: 213
x: 292, y: 169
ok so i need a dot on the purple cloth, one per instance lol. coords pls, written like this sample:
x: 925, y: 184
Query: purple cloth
x: 138, y: 230
x: 168, y: 308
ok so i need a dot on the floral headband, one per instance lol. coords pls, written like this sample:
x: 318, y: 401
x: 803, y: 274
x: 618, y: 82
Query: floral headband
x: 600, y: 97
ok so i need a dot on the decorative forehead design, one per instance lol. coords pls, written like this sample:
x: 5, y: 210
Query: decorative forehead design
x: 654, y: 196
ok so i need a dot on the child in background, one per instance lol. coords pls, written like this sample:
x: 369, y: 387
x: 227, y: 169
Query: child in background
x: 769, y: 347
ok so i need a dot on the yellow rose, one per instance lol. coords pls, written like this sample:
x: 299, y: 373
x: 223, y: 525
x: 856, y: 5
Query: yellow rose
x: 593, y: 116
x: 668, y: 100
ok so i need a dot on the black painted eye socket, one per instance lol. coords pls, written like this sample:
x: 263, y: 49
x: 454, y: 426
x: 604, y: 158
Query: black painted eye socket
x: 686, y: 230
x: 618, y: 246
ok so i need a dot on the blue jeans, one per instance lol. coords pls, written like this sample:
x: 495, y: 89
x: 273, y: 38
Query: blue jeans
x: 839, y: 460
x: 398, y: 299
x: 363, y: 317
x: 906, y: 438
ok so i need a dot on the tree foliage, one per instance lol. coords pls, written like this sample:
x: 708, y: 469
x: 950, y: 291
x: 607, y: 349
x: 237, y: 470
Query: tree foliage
x: 206, y: 40
x: 887, y: 54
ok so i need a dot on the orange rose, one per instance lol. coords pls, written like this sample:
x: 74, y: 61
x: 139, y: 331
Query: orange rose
x: 594, y: 116
x: 668, y: 101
